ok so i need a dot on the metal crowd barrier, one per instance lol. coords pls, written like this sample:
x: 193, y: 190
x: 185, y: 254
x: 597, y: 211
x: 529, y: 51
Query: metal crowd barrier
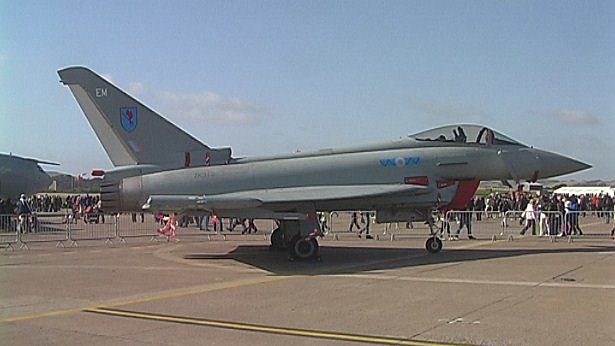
x: 131, y: 227
x: 484, y: 224
x: 339, y: 223
x: 97, y: 227
x: 8, y: 230
x: 481, y: 223
x: 34, y: 228
x: 43, y: 228
x: 222, y: 231
x: 60, y: 227
x: 547, y: 223
x: 136, y: 226
x: 591, y: 223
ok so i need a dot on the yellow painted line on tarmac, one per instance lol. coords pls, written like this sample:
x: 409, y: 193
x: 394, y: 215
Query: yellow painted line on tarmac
x: 569, y: 285
x: 148, y: 297
x: 465, y: 244
x: 196, y: 290
x: 40, y: 314
x: 320, y: 334
x: 473, y: 244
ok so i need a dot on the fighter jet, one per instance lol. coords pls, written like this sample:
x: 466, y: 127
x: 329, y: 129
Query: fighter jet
x: 405, y: 179
x: 22, y: 175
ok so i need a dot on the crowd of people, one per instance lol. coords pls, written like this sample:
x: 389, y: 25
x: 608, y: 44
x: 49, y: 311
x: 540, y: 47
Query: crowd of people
x: 542, y: 214
x: 552, y: 214
x: 74, y: 207
x: 51, y: 203
x: 556, y: 215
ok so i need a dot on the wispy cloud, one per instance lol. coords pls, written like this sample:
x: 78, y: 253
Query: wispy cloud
x: 575, y: 117
x: 136, y: 88
x: 204, y: 106
x: 212, y: 107
x: 441, y: 111
x: 107, y: 77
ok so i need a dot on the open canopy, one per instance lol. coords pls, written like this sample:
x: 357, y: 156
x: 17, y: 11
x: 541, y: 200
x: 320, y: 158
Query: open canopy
x: 465, y: 133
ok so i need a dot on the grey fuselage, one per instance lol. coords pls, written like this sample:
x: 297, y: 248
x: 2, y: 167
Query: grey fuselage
x: 395, y: 162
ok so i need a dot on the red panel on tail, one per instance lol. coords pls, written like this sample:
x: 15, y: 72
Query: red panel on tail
x: 186, y: 159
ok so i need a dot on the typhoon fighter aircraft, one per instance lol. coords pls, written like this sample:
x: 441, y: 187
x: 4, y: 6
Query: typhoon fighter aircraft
x: 22, y: 175
x: 405, y: 179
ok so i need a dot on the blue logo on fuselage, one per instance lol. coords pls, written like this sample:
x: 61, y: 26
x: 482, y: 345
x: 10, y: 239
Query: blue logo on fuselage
x: 400, y: 161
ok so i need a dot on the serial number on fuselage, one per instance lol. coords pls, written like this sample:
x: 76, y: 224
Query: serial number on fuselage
x: 205, y: 174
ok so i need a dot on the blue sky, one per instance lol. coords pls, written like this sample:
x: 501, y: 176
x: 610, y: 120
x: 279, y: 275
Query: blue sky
x: 277, y: 76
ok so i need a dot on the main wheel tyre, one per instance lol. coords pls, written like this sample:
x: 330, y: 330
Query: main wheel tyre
x: 278, y: 241
x: 303, y: 249
x: 433, y: 244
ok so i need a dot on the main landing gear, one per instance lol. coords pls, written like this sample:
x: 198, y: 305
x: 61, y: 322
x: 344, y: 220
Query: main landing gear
x: 301, y: 247
x: 279, y: 240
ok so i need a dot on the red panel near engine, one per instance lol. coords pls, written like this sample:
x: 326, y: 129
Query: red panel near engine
x: 422, y: 180
x: 465, y: 192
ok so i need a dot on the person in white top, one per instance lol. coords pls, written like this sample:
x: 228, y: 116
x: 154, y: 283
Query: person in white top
x: 530, y: 217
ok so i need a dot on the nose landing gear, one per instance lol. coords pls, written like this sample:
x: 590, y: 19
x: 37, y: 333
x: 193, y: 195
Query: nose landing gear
x: 433, y: 244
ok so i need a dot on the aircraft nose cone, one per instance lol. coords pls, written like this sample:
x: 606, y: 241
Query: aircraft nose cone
x: 554, y: 165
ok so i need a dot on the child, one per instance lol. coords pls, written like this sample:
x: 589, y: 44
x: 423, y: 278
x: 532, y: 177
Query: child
x: 168, y: 230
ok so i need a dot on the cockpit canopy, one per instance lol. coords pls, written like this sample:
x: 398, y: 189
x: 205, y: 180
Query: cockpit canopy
x: 465, y: 134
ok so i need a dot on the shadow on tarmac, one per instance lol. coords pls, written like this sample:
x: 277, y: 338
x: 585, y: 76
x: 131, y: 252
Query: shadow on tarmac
x: 351, y: 260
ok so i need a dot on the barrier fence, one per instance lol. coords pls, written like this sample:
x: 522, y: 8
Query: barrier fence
x: 8, y: 231
x: 62, y: 227
x: 95, y: 229
x: 485, y: 225
x: 43, y: 227
x: 591, y: 223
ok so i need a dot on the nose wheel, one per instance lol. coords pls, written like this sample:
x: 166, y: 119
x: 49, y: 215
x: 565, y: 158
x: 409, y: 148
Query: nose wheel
x: 433, y: 244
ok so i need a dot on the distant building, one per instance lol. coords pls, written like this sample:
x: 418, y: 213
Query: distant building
x: 530, y: 187
x: 585, y: 190
x: 67, y: 183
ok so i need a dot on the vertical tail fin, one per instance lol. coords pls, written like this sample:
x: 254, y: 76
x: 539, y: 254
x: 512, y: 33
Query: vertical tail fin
x: 130, y: 132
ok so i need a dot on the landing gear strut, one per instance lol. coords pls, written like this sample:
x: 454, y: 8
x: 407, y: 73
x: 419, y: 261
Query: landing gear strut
x: 298, y: 236
x: 433, y: 243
